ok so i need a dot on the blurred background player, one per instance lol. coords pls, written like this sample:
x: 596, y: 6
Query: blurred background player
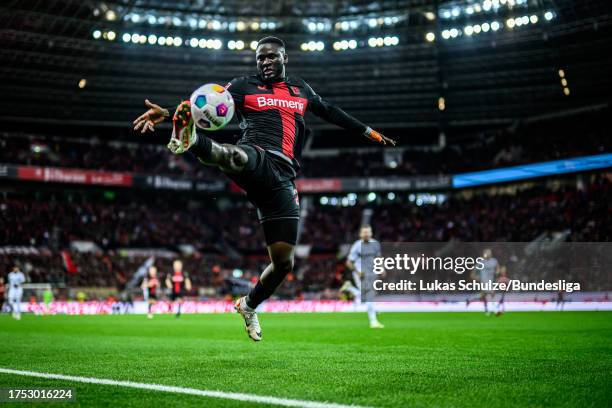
x: 361, y: 261
x: 179, y: 283
x: 503, y: 278
x: 486, y: 274
x: 559, y: 300
x: 16, y: 279
x: 149, y: 286
x: 47, y: 299
x: 2, y: 292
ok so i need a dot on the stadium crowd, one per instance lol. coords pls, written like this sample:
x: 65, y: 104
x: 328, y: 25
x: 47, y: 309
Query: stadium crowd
x: 225, y: 236
x: 477, y: 151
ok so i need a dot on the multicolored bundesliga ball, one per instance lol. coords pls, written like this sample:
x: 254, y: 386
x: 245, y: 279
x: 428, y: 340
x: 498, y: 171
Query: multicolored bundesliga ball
x: 212, y: 107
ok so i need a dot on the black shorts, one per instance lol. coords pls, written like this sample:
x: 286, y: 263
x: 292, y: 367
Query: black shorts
x: 177, y: 295
x: 152, y: 296
x: 268, y: 182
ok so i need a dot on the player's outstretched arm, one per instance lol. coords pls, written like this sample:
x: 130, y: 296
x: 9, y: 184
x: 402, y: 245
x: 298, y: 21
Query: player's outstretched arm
x: 334, y: 114
x: 147, y: 121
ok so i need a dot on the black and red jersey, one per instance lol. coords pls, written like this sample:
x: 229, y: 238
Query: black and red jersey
x: 152, y: 284
x: 271, y: 114
x: 178, y: 281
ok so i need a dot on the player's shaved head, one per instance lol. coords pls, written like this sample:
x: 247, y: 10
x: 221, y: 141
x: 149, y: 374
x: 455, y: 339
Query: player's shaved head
x: 271, y: 40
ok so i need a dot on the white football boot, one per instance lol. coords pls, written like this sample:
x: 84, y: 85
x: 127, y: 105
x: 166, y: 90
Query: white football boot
x: 183, y: 129
x: 250, y: 319
x: 376, y: 325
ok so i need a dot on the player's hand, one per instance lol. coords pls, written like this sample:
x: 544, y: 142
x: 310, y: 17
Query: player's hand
x: 387, y: 140
x: 379, y: 137
x: 147, y: 121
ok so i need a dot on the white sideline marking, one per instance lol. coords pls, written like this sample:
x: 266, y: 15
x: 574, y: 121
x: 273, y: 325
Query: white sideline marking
x: 182, y: 390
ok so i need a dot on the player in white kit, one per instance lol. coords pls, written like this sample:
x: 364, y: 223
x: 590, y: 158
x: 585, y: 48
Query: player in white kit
x: 16, y: 279
x: 486, y: 274
x: 360, y: 261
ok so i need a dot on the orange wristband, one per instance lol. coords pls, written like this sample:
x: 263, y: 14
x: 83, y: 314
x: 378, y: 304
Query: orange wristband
x: 374, y: 135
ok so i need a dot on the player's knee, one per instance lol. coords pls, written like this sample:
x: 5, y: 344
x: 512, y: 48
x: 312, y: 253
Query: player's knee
x: 231, y: 158
x: 283, y: 264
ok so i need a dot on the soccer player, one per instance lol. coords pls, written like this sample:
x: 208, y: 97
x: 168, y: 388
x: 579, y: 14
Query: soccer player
x: 178, y: 282
x: 361, y: 261
x: 487, y: 274
x: 16, y: 279
x: 270, y: 107
x: 2, y: 292
x: 47, y: 299
x: 149, y: 286
x: 503, y: 278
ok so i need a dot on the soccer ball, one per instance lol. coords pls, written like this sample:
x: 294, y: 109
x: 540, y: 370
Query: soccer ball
x: 212, y: 107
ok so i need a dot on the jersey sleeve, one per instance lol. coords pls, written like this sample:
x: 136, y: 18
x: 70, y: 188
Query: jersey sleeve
x: 354, y: 252
x: 236, y: 88
x: 332, y: 113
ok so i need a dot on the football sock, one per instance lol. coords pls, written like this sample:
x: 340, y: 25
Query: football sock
x: 258, y: 294
x: 202, y: 148
x: 371, y: 312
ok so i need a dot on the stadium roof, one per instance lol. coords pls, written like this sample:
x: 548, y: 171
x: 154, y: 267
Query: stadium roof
x: 392, y: 63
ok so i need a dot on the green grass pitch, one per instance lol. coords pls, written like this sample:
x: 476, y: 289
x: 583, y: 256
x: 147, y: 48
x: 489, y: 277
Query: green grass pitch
x: 418, y: 360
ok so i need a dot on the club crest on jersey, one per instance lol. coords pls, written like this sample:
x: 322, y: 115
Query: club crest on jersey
x: 261, y: 87
x: 295, y: 90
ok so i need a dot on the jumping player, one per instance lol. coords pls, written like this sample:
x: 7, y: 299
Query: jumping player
x: 16, y: 279
x: 270, y: 107
x: 149, y: 286
x: 178, y: 282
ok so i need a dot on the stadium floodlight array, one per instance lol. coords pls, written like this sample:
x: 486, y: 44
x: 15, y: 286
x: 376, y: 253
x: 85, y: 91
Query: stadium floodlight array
x: 234, y: 45
x: 345, y: 45
x: 383, y: 42
x: 198, y: 22
x: 492, y: 26
x: 317, y: 26
x: 313, y: 46
x: 486, y: 6
x: 369, y: 22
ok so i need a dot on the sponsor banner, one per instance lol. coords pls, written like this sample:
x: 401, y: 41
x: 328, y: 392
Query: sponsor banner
x: 397, y: 183
x: 211, y: 186
x: 20, y: 250
x: 146, y: 253
x: 162, y: 182
x: 8, y: 171
x: 165, y: 182
x: 528, y: 171
x: 307, y: 306
x: 319, y: 185
x: 73, y: 176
